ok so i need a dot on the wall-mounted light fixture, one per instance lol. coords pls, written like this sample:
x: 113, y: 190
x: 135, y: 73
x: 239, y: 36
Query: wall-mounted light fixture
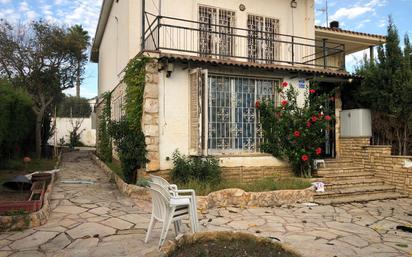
x: 169, y: 69
x: 293, y: 4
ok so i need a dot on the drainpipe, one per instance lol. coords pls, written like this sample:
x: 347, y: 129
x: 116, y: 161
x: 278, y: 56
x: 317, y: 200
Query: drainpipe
x: 143, y: 24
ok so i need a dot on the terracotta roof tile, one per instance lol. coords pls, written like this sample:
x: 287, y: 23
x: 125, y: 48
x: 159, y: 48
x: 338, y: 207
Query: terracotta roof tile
x: 351, y: 32
x: 318, y: 71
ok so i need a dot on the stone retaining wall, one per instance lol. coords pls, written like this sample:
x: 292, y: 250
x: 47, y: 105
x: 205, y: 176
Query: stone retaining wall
x: 243, y: 174
x: 34, y: 219
x: 378, y: 159
x: 132, y: 191
x: 240, y: 198
x: 249, y: 174
x: 389, y: 168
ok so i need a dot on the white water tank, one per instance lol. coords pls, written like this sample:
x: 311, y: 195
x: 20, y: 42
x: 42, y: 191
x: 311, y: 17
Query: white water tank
x: 356, y: 123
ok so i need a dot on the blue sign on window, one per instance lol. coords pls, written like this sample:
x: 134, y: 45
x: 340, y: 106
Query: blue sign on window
x: 302, y: 83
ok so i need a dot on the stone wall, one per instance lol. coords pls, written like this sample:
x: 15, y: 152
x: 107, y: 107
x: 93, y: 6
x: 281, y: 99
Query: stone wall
x: 378, y: 159
x: 248, y: 174
x: 389, y: 168
x: 240, y: 198
x: 243, y: 174
x: 150, y: 118
x: 352, y: 148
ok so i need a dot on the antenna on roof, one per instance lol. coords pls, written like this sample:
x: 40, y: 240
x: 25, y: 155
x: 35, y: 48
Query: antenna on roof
x: 326, y: 12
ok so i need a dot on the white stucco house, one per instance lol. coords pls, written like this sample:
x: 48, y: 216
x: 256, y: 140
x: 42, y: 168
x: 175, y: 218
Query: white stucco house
x: 213, y: 60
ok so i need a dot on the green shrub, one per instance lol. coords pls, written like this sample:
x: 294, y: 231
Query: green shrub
x: 203, y: 169
x: 16, y: 120
x: 130, y: 145
x: 105, y: 141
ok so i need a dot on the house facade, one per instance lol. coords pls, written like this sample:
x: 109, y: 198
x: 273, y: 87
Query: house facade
x: 212, y: 60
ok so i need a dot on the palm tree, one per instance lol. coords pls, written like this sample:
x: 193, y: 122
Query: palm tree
x: 80, y: 40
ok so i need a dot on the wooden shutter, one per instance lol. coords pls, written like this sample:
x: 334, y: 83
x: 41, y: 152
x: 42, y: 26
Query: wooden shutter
x: 195, y: 109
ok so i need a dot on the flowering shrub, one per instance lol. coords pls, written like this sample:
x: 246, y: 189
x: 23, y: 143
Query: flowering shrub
x: 295, y: 133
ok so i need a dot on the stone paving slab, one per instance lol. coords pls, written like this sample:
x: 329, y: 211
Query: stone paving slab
x: 96, y: 220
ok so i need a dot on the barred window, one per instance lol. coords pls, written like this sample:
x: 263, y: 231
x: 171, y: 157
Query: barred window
x: 232, y: 117
x: 117, y: 108
x: 263, y: 39
x: 215, y: 32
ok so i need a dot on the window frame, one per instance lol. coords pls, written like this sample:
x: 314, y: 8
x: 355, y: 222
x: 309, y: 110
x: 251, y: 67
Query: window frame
x: 234, y: 151
x: 216, y: 51
x: 277, y: 47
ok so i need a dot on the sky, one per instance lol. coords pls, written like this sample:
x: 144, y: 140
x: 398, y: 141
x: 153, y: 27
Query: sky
x: 360, y: 15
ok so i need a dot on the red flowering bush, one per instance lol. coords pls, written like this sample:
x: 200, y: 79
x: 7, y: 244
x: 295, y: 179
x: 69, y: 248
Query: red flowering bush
x: 296, y: 132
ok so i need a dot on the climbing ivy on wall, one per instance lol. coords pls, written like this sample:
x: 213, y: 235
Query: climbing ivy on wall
x: 127, y: 133
x: 105, y: 140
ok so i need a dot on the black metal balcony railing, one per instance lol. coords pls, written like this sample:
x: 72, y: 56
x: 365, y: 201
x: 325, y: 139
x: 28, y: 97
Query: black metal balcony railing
x: 175, y: 35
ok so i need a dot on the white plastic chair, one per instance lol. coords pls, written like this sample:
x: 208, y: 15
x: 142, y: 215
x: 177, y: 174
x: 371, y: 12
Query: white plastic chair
x: 190, y: 193
x: 167, y: 209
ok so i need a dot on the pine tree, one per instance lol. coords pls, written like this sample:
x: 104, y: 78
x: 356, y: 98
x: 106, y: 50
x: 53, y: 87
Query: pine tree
x: 387, y: 89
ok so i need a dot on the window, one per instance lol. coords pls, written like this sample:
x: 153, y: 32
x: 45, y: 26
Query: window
x: 263, y: 39
x: 117, y: 109
x: 232, y: 117
x: 215, y: 32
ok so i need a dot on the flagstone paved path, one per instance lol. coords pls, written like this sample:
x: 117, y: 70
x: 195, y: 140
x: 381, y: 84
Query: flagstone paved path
x: 96, y: 220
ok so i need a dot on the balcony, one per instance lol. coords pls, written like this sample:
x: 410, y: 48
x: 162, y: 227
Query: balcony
x: 185, y: 37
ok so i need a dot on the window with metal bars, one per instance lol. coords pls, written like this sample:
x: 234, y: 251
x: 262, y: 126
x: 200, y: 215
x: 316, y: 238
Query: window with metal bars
x: 263, y: 39
x: 232, y: 116
x: 117, y: 107
x: 216, y: 30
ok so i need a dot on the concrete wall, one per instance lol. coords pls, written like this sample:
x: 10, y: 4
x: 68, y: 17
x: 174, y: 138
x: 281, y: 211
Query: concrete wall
x: 64, y: 126
x: 303, y: 15
x: 298, y: 22
x: 120, y: 43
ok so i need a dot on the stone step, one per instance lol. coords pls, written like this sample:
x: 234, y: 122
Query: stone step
x: 337, y: 184
x: 325, y: 171
x: 348, y: 175
x: 360, y: 198
x: 338, y: 162
x: 351, y: 191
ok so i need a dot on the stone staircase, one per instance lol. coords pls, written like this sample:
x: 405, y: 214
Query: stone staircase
x: 346, y: 182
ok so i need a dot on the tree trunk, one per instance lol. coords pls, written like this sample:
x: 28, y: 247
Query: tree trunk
x: 78, y: 80
x: 398, y: 137
x: 405, y: 138
x: 39, y: 123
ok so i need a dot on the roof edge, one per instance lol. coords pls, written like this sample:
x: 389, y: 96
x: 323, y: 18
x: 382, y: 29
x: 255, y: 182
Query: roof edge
x: 318, y: 71
x: 101, y: 25
x: 351, y: 32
